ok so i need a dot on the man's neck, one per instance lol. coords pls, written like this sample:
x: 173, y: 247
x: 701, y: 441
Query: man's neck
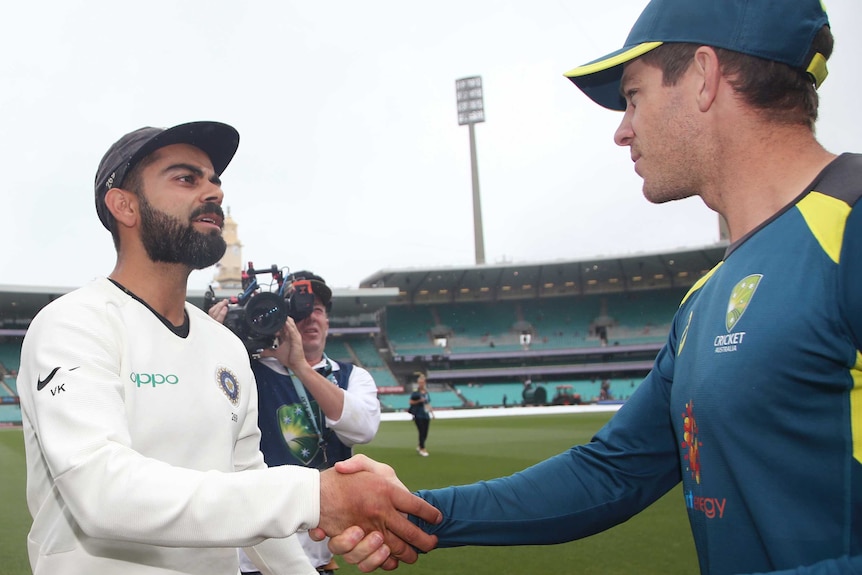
x: 162, y: 286
x: 761, y: 174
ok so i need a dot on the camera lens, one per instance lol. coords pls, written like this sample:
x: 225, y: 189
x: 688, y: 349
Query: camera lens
x: 265, y: 313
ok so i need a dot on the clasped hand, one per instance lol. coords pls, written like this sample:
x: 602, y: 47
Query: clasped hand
x: 363, y: 506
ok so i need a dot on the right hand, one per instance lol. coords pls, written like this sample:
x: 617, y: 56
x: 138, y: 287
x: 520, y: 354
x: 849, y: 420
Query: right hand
x: 365, y: 493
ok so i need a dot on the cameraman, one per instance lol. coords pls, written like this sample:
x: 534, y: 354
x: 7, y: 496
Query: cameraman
x: 311, y: 409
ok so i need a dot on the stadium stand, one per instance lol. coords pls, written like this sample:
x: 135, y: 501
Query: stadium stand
x: 337, y: 349
x: 554, y: 323
x: 10, y: 415
x: 10, y: 410
x: 587, y: 329
x: 361, y: 350
x: 10, y: 361
x: 383, y: 377
x: 441, y: 398
x: 567, y: 327
x: 10, y: 355
x: 365, y: 352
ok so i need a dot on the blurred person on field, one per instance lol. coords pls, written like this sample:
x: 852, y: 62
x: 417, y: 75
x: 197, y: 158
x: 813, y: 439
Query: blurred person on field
x: 422, y: 412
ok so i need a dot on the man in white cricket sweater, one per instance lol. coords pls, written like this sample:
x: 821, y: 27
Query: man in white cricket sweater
x: 140, y: 411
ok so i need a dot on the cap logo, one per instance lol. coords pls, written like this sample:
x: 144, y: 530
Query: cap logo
x: 817, y: 69
x: 110, y: 183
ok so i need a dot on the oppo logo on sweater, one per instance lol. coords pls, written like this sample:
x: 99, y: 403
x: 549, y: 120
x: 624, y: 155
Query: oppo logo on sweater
x: 153, y: 379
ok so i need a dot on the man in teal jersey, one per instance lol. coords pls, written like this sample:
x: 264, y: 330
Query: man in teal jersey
x: 755, y: 401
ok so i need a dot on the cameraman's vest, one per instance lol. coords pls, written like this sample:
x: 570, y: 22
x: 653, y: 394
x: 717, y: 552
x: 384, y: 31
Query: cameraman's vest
x: 293, y: 431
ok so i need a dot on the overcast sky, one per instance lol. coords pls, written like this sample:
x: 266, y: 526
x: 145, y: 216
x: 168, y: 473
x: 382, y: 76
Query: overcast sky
x: 351, y: 159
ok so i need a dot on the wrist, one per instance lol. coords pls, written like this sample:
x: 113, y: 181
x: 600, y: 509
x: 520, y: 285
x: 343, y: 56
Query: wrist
x: 302, y: 370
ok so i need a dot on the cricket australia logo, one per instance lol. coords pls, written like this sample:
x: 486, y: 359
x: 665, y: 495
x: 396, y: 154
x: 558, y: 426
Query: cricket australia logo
x: 740, y: 297
x: 228, y: 383
x: 298, y: 432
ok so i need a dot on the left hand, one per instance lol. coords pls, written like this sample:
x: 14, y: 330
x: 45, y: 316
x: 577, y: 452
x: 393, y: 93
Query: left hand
x: 289, y: 352
x: 367, y: 552
x: 218, y: 311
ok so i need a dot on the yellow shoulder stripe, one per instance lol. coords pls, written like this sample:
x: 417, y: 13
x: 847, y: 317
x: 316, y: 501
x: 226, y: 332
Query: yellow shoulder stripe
x: 856, y: 408
x: 699, y: 283
x: 826, y: 217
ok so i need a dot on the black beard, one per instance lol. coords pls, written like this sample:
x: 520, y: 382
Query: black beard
x: 168, y: 240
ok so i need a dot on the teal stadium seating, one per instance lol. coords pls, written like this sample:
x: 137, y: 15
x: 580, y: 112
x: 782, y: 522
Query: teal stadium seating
x: 557, y: 325
x: 553, y: 323
x: 10, y: 359
x: 365, y: 352
x: 360, y: 350
x: 10, y: 355
x: 440, y: 399
x: 337, y: 349
x: 491, y: 394
x: 10, y: 414
x: 640, y: 317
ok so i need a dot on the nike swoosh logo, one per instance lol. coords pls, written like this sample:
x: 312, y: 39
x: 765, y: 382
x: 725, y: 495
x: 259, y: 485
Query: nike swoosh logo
x: 41, y: 383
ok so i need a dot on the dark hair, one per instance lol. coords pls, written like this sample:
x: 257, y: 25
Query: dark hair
x: 782, y: 93
x: 132, y: 182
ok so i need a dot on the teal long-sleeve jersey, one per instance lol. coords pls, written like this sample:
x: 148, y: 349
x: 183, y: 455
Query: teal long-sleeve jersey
x: 754, y: 403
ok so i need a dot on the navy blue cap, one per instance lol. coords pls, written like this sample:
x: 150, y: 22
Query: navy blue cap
x: 318, y: 286
x: 777, y: 30
x: 219, y: 142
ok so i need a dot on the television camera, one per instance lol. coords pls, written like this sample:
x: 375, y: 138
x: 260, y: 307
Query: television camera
x: 255, y: 315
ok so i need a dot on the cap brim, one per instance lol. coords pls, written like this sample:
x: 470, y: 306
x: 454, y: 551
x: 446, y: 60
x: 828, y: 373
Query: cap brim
x: 322, y: 291
x: 219, y: 141
x: 600, y: 79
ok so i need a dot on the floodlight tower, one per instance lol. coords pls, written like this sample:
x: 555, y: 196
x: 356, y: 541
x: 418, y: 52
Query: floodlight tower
x: 471, y: 111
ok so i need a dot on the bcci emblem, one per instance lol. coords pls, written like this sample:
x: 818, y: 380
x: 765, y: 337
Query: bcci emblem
x: 228, y: 384
x: 740, y: 297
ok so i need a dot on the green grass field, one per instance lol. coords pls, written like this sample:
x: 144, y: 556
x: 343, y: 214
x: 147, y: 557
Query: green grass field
x: 462, y: 451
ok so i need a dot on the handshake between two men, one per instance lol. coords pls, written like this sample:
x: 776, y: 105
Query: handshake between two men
x: 364, y: 507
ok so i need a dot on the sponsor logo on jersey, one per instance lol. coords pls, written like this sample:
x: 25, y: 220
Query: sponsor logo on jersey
x: 41, y: 383
x: 691, y: 442
x: 229, y: 384
x: 740, y: 298
x: 153, y: 379
x: 711, y: 507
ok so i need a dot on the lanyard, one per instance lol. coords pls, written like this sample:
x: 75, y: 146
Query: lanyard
x: 325, y: 371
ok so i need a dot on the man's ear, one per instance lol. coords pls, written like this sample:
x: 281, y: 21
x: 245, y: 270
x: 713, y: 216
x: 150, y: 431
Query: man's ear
x: 708, y: 70
x: 123, y: 205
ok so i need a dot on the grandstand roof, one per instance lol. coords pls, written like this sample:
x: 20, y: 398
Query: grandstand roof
x: 537, y: 279
x: 19, y: 303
